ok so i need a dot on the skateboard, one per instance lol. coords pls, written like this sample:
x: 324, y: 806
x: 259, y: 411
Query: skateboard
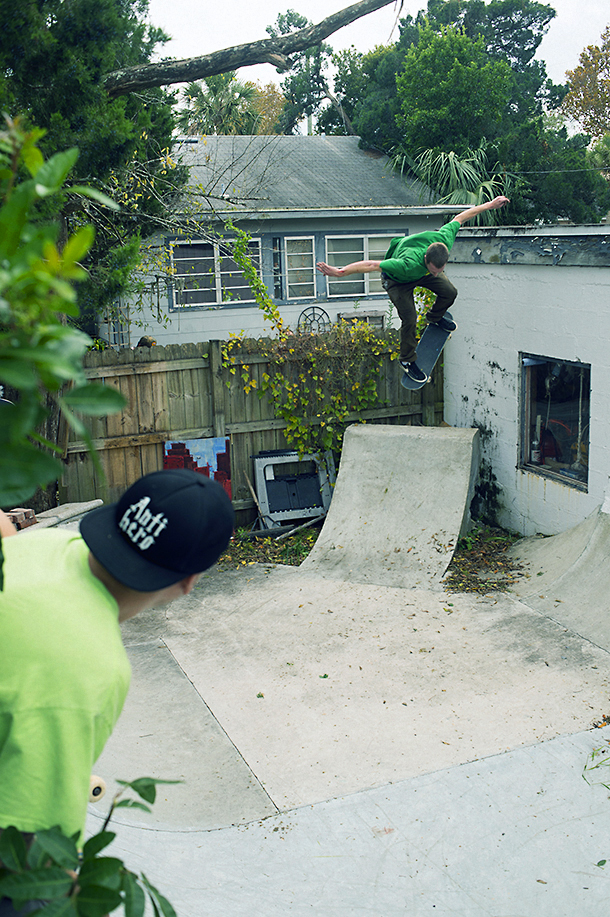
x: 429, y: 350
x: 97, y: 788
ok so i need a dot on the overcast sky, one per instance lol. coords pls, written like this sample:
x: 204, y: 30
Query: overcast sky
x: 202, y: 26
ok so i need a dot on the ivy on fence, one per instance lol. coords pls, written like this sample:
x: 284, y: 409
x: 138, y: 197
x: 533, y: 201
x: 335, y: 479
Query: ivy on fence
x: 316, y: 382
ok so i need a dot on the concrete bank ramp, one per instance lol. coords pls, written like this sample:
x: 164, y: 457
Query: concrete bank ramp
x: 401, y: 499
x: 567, y: 577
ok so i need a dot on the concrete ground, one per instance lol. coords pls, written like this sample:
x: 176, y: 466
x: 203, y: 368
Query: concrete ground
x: 359, y: 750
x: 354, y: 740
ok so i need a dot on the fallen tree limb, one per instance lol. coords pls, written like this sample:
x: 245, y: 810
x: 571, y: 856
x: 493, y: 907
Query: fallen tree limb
x: 274, y: 51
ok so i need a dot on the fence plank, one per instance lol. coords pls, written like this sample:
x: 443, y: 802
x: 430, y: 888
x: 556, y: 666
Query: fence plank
x: 217, y: 388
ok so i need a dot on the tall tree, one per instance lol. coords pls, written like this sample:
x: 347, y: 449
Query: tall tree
x: 554, y: 177
x: 53, y: 59
x: 268, y: 104
x: 511, y: 30
x: 451, y: 93
x: 305, y: 87
x: 588, y: 98
x: 220, y: 104
x: 365, y: 85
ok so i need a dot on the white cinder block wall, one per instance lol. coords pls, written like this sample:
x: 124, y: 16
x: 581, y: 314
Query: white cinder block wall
x: 552, y: 306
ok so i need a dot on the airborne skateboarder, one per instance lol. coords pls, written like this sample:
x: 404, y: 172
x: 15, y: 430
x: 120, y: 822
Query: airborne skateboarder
x: 417, y: 261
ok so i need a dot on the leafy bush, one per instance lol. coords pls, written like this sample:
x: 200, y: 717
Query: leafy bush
x: 40, y: 353
x: 68, y: 882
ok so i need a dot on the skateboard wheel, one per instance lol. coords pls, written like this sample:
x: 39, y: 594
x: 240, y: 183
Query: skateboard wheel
x: 97, y: 788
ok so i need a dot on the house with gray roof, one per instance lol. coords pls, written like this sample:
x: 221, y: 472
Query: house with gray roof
x: 301, y: 199
x: 529, y: 365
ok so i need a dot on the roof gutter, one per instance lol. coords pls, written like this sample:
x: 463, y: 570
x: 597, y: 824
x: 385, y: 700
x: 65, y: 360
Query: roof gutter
x: 329, y: 212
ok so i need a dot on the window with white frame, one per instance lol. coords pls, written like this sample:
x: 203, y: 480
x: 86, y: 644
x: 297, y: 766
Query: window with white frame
x: 300, y: 267
x: 555, y: 418
x: 205, y: 274
x: 342, y: 250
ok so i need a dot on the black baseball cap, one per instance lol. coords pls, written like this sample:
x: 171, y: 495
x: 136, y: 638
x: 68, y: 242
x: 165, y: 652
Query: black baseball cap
x: 168, y: 525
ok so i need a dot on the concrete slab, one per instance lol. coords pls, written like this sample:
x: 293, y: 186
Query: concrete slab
x: 166, y: 731
x: 513, y: 835
x: 399, y: 504
x: 567, y: 577
x: 299, y: 689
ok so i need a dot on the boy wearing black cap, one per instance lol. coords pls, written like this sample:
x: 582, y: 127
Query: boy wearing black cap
x: 64, y: 672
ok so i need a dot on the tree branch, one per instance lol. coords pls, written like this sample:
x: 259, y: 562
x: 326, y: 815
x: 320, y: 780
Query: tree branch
x: 274, y: 51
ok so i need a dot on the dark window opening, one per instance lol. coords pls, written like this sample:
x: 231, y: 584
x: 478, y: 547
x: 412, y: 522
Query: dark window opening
x: 555, y: 418
x: 278, y: 287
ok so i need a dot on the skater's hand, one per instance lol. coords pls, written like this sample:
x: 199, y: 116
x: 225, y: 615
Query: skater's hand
x: 328, y: 270
x: 498, y: 202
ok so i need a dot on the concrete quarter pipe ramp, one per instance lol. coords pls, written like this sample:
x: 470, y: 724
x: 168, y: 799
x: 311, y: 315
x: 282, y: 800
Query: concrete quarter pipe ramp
x: 567, y: 576
x: 401, y: 499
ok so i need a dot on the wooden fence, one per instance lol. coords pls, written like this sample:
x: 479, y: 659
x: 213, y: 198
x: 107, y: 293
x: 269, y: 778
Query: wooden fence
x: 183, y: 392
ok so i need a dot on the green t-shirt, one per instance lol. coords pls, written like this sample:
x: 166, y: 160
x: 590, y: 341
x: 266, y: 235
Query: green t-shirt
x: 404, y: 259
x: 64, y: 675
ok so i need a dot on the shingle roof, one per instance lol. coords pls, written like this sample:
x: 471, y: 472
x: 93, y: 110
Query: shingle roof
x: 296, y: 173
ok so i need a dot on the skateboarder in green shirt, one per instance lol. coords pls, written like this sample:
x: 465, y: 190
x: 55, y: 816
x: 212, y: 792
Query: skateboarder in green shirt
x: 417, y: 261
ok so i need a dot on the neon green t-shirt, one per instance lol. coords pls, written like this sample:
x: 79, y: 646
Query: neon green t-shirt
x: 64, y: 675
x: 404, y: 260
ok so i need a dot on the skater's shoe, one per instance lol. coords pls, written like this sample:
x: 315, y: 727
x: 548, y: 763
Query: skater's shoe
x: 445, y: 324
x: 413, y: 371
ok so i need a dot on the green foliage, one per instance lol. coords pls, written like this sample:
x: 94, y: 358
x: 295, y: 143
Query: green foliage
x: 554, y: 177
x: 305, y: 87
x: 451, y: 92
x: 70, y: 46
x: 465, y: 180
x: 69, y: 882
x: 248, y: 547
x: 511, y: 30
x: 366, y: 87
x: 40, y: 355
x: 220, y: 104
x: 598, y: 156
x: 588, y: 99
x: 123, y: 142
x: 317, y: 382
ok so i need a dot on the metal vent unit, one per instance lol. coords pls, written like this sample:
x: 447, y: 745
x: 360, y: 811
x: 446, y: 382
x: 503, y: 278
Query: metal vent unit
x: 289, y: 487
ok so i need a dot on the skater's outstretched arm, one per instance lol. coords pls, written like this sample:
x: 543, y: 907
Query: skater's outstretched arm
x: 356, y: 267
x: 474, y: 211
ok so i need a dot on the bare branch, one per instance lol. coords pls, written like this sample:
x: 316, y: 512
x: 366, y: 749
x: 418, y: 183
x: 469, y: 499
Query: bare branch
x: 274, y: 51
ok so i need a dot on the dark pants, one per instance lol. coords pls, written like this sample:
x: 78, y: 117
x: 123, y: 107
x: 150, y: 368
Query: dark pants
x: 401, y: 296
